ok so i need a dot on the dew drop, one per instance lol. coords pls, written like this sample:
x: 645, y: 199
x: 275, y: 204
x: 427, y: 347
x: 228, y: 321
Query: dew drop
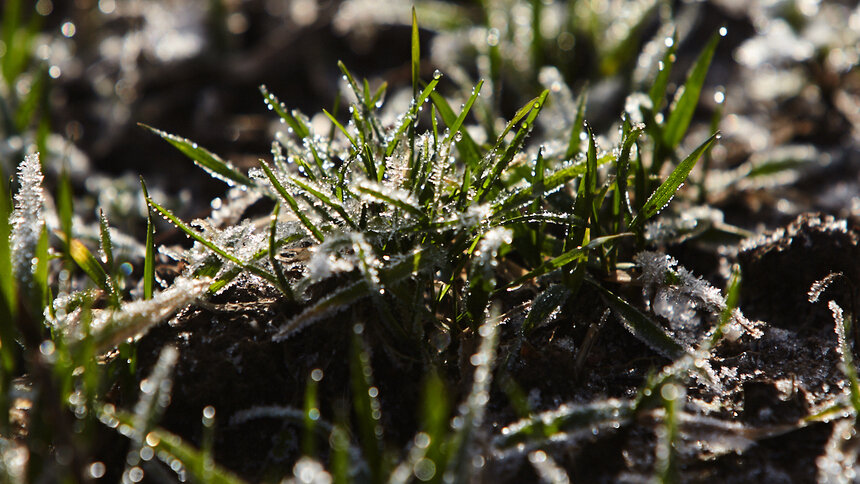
x: 437, y: 74
x: 669, y: 41
x: 723, y: 31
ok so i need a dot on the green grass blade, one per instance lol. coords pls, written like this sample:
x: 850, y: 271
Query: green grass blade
x: 544, y: 305
x: 342, y: 130
x: 551, y: 182
x: 212, y: 163
x: 564, y: 259
x: 336, y: 206
x: 661, y: 81
x: 416, y: 54
x: 640, y: 325
x: 366, y: 406
x: 685, y: 105
x: 583, y: 207
x: 65, y: 202
x: 280, y: 109
x: 532, y: 109
x: 392, y: 200
x: 454, y: 128
x: 106, y: 243
x: 664, y: 193
x: 846, y: 353
x: 173, y: 445
x: 87, y: 262
x: 569, y: 418
x: 469, y: 150
x: 575, y: 130
x: 149, y: 260
x: 294, y: 206
x: 410, y: 116
x: 623, y: 166
x: 209, y: 244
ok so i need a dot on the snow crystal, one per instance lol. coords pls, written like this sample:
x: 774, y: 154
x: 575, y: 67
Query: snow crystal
x: 27, y: 220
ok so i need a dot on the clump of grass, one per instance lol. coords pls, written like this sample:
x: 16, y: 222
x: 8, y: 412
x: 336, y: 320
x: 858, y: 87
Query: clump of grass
x: 427, y: 228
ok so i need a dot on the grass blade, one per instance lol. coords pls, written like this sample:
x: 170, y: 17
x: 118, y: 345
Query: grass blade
x: 410, y: 116
x: 466, y: 145
x: 149, y: 260
x: 685, y: 104
x: 366, y: 406
x: 576, y: 129
x: 336, y: 206
x: 174, y: 447
x: 533, y: 108
x: 640, y: 325
x: 209, y: 244
x: 544, y: 305
x: 416, y: 54
x: 666, y: 191
x: 565, y: 259
x: 661, y: 81
x: 399, y: 202
x: 294, y: 206
x: 454, y: 128
x: 212, y: 163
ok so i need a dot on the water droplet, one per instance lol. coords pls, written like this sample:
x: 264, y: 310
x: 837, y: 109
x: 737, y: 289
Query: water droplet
x: 97, y: 470
x: 719, y: 97
x: 669, y: 41
x: 723, y: 31
x: 437, y: 74
x: 317, y: 375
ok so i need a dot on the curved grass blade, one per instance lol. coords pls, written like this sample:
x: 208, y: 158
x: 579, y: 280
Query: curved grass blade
x: 294, y: 206
x: 544, y: 305
x: 173, y: 446
x: 658, y: 89
x: 86, y: 261
x: 209, y: 244
x: 564, y: 259
x: 533, y: 109
x: 576, y: 129
x: 550, y: 183
x: 395, y: 201
x: 640, y: 326
x: 212, y: 163
x: 416, y: 54
x: 454, y: 128
x: 469, y: 150
x: 410, y: 115
x: 685, y: 105
x: 149, y: 260
x: 299, y: 128
x: 666, y: 191
x: 567, y: 418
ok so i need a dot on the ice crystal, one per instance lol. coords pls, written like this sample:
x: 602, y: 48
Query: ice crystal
x: 818, y: 287
x: 676, y: 292
x: 27, y: 220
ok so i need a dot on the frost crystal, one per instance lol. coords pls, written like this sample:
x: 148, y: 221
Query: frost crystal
x: 27, y: 219
x: 676, y: 293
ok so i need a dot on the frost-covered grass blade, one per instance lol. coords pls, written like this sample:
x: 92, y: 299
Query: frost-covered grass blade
x: 212, y: 163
